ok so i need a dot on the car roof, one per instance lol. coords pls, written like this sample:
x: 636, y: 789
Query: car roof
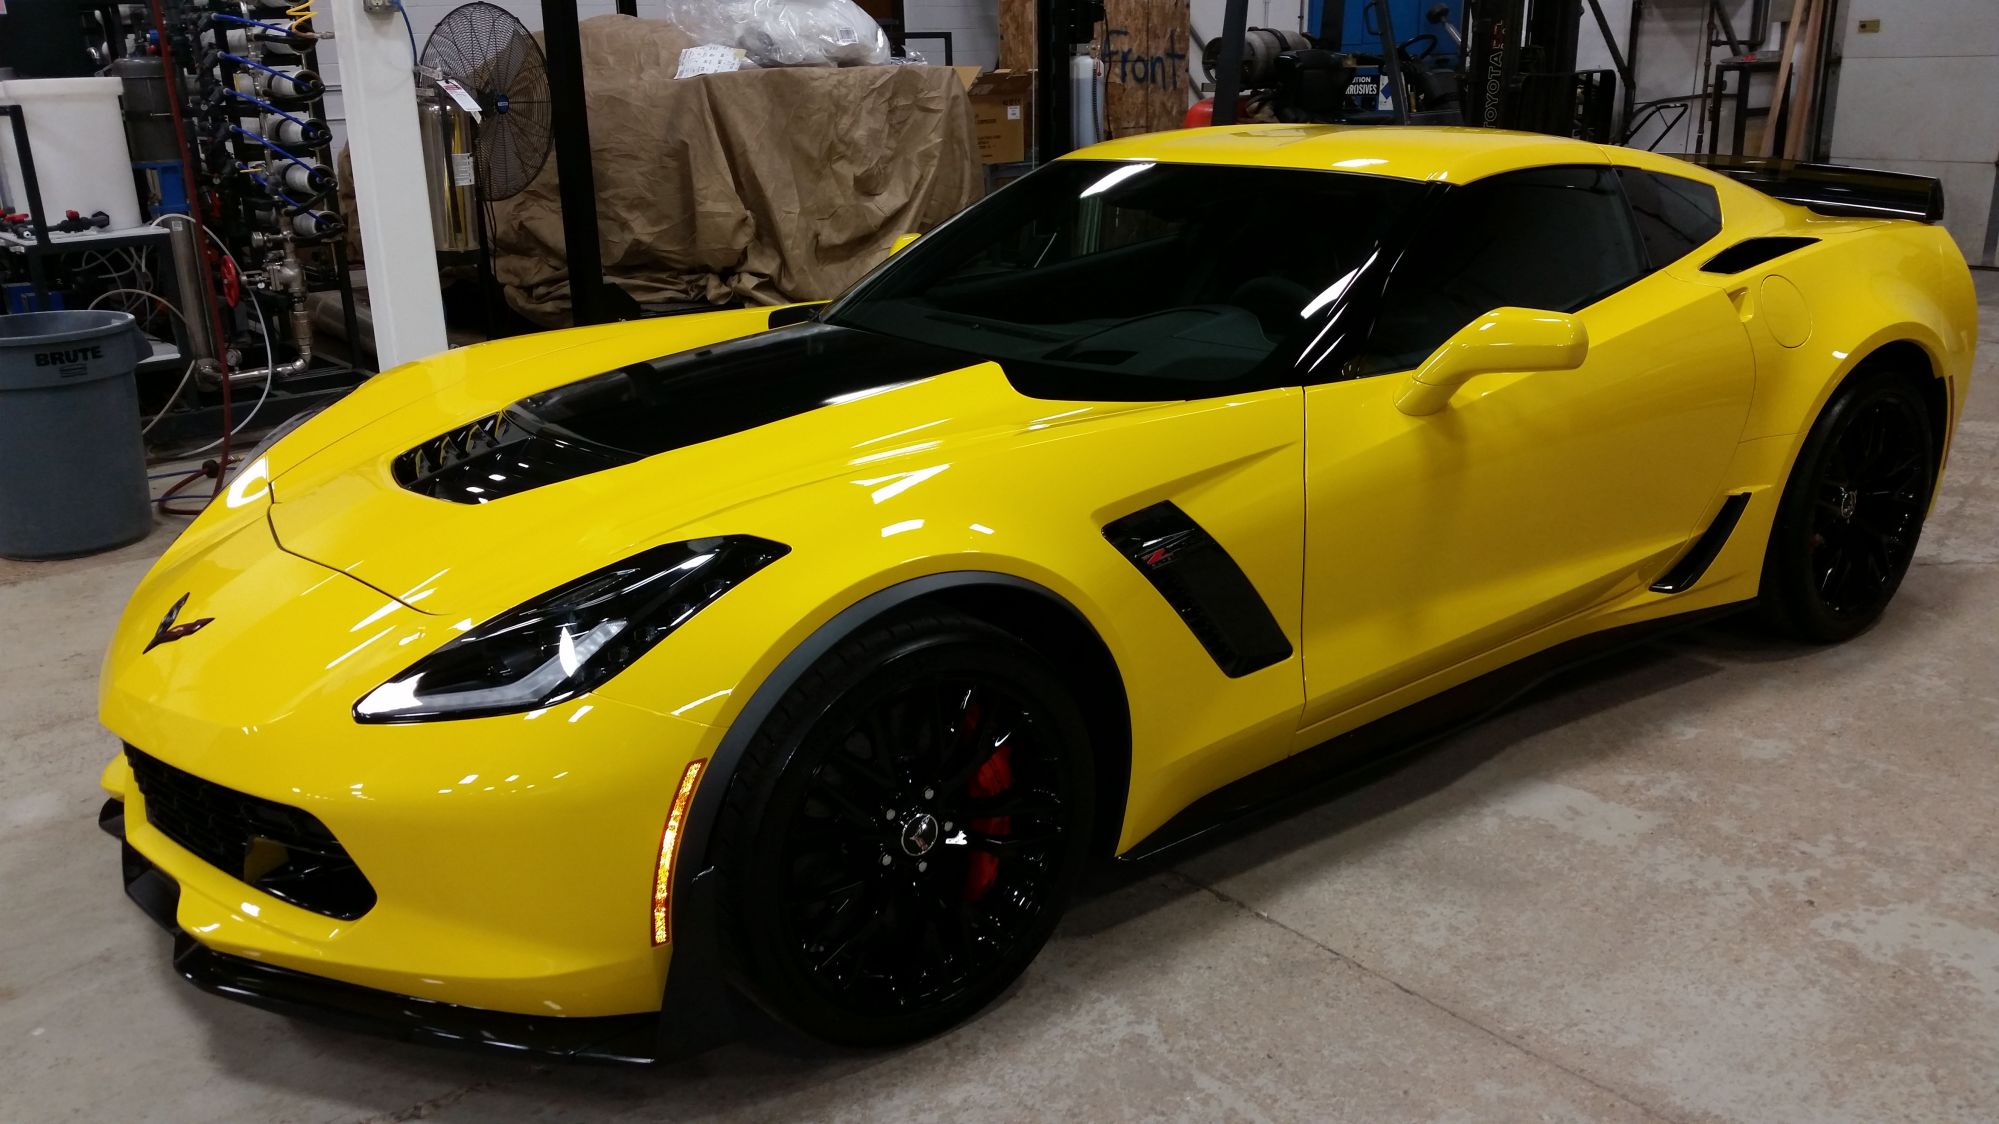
x: 1440, y: 153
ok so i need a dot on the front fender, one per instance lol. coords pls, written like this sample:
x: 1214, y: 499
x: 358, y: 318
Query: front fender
x: 701, y: 1007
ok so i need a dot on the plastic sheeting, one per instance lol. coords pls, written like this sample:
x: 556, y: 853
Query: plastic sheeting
x: 768, y: 186
x: 785, y: 32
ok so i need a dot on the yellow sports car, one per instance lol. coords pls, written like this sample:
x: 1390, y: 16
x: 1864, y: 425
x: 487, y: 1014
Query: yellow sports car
x: 589, y: 692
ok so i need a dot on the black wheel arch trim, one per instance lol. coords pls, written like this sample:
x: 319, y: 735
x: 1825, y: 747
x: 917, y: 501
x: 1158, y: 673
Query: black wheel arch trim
x: 701, y: 1006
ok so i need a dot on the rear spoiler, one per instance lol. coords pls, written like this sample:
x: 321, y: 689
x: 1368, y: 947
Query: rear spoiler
x: 1834, y: 189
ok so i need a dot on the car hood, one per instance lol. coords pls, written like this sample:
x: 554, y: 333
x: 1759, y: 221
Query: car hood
x: 468, y: 503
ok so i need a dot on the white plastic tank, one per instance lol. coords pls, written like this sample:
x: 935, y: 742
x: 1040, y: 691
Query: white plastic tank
x: 77, y: 136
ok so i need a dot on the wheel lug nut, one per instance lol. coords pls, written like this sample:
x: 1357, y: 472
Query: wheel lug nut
x: 929, y: 793
x: 921, y: 867
x: 947, y: 825
x: 886, y: 860
x: 891, y: 814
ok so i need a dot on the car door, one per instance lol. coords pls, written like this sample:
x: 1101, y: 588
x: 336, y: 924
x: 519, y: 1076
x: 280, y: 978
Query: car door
x: 1528, y: 498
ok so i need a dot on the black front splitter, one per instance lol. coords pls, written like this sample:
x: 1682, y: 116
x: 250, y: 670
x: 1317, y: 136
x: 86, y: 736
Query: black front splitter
x: 621, y: 1039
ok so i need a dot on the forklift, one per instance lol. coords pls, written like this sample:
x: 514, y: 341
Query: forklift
x: 1507, y: 64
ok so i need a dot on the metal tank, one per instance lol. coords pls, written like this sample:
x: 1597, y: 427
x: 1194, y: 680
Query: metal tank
x: 449, y: 172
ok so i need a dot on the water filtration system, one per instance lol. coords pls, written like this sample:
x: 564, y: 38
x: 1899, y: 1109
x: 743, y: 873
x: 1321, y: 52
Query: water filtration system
x: 190, y: 182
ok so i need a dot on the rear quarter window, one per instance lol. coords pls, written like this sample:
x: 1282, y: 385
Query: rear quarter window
x: 1674, y: 215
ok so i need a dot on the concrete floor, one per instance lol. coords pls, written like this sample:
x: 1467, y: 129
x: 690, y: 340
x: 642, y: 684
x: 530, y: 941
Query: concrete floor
x: 1718, y: 880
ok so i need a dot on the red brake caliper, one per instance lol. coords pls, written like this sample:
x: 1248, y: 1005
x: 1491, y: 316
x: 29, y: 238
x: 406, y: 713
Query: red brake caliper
x: 993, y: 778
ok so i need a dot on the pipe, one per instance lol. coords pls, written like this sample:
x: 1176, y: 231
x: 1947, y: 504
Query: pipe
x: 192, y: 187
x: 208, y: 374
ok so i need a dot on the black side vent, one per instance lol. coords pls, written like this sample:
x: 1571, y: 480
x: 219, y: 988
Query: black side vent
x: 283, y: 851
x: 1753, y: 252
x: 1204, y: 585
x: 1700, y: 556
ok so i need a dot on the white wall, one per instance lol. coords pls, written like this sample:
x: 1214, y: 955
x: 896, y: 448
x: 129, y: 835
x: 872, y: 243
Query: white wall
x: 1670, y: 52
x: 1922, y: 95
x: 973, y: 24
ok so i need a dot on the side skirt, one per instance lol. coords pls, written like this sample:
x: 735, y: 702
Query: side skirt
x: 1364, y: 753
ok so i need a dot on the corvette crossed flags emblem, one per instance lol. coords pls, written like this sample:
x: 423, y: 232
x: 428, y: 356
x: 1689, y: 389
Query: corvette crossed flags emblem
x: 168, y: 632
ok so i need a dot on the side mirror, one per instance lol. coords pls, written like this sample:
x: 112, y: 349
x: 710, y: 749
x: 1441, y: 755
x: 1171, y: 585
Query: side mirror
x: 1505, y: 339
x: 902, y: 240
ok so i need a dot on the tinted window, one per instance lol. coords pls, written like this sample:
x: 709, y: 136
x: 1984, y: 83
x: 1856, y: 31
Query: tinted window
x: 1549, y: 238
x: 1138, y: 281
x: 1674, y: 214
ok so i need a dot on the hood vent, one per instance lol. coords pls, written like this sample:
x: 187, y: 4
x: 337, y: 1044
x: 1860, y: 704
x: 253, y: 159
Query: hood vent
x: 644, y: 409
x: 496, y: 456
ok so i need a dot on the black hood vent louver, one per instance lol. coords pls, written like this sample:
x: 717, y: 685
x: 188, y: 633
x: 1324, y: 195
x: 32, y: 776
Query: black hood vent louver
x: 496, y: 456
x: 440, y: 453
x: 648, y: 408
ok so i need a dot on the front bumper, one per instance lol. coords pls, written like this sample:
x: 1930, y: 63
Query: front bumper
x: 627, y: 1039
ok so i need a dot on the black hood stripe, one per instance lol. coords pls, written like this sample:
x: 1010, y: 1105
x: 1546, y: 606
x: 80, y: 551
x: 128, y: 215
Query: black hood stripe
x: 672, y: 402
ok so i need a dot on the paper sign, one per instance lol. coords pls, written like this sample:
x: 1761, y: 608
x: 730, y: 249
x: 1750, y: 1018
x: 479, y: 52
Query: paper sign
x: 458, y: 93
x: 462, y: 174
x: 709, y: 58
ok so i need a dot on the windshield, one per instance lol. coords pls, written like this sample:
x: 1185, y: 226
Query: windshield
x: 1137, y: 280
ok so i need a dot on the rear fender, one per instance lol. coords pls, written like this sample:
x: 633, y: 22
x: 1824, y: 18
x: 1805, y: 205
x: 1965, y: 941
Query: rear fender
x: 1861, y: 292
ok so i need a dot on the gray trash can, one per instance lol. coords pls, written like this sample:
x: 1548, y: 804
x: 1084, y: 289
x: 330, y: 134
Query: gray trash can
x: 72, y: 461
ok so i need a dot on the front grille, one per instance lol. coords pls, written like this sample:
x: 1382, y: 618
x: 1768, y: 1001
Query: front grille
x: 283, y: 851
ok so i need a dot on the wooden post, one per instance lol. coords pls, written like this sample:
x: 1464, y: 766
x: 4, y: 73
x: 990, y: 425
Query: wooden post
x: 1807, y: 81
x: 1767, y: 146
x: 1019, y: 20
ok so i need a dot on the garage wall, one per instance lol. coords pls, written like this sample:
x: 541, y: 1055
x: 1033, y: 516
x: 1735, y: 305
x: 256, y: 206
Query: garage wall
x: 1922, y: 95
x: 973, y: 24
x: 1669, y: 56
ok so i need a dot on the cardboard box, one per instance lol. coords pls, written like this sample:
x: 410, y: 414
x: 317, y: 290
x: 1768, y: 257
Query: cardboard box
x: 1003, y: 116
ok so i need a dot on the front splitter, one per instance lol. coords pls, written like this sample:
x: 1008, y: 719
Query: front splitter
x: 620, y: 1039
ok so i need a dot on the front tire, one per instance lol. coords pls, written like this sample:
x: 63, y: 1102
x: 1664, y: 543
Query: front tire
x: 904, y: 830
x: 1852, y: 511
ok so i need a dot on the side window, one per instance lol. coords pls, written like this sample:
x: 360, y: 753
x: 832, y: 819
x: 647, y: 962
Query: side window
x: 1551, y: 238
x: 1674, y: 214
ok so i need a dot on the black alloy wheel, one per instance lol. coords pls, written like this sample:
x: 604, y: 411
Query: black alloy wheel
x: 905, y: 830
x: 1853, y: 510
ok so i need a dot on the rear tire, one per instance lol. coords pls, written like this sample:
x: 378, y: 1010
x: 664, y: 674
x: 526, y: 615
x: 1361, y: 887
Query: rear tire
x: 904, y: 830
x: 1852, y: 511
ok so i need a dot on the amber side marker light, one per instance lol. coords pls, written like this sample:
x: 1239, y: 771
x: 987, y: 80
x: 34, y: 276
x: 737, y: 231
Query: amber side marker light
x: 669, y: 848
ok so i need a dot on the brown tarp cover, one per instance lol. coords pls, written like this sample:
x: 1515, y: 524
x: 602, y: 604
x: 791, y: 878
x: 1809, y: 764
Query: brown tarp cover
x: 767, y: 186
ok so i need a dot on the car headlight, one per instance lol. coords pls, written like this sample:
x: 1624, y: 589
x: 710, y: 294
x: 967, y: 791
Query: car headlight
x: 571, y: 639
